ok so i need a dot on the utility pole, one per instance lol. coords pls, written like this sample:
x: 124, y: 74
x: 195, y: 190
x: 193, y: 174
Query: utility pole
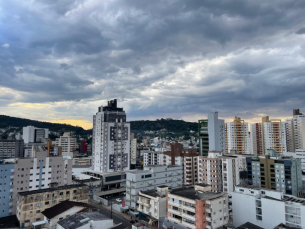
x: 111, y: 209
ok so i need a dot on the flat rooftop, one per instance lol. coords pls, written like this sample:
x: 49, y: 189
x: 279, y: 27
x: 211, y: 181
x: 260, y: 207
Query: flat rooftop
x: 191, y: 193
x: 78, y: 220
x: 51, y: 189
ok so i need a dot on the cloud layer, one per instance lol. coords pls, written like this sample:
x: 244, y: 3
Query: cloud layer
x: 60, y: 59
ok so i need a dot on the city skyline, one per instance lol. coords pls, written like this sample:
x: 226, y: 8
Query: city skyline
x: 60, y: 60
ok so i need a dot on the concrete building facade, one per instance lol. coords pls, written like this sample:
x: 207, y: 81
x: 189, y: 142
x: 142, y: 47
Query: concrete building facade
x: 30, y: 204
x: 211, y: 134
x: 152, y: 157
x: 149, y: 179
x: 68, y: 144
x: 11, y: 148
x: 282, y: 174
x: 6, y: 183
x: 33, y: 134
x: 111, y: 139
x: 237, y: 136
x: 197, y: 208
x: 38, y: 173
x: 266, y: 208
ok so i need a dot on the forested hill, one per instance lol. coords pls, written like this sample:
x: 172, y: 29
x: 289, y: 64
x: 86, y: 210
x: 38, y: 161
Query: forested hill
x: 170, y: 125
x: 7, y: 121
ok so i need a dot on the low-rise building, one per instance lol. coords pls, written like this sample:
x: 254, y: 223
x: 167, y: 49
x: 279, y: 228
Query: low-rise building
x: 63, y: 210
x: 86, y: 220
x: 82, y: 161
x: 153, y: 203
x: 196, y: 207
x: 30, y: 204
x: 149, y: 179
x: 152, y: 157
x: 266, y: 208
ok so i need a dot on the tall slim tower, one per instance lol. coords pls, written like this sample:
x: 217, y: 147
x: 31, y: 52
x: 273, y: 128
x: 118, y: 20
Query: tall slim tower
x: 111, y: 139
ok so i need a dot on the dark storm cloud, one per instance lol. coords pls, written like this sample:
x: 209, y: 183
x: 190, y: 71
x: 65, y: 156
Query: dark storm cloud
x: 158, y: 57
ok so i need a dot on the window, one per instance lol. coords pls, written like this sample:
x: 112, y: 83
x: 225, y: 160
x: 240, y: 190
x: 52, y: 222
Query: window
x: 74, y: 191
x: 38, y: 211
x: 38, y: 205
x: 46, y: 203
x: 61, y: 193
x: 68, y: 192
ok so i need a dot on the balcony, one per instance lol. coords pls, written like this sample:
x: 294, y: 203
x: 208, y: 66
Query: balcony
x: 209, y: 219
x: 189, y: 225
x: 191, y: 217
x: 174, y: 220
x: 174, y: 204
x: 292, y: 211
x: 208, y: 210
x: 208, y: 227
x: 189, y: 208
x: 175, y: 212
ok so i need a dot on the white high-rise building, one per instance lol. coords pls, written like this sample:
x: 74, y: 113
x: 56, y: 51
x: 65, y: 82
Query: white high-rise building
x: 33, y: 134
x: 67, y: 143
x: 275, y: 136
x: 152, y: 157
x: 216, y: 131
x: 299, y: 131
x: 111, y: 139
x: 237, y: 137
x: 133, y: 150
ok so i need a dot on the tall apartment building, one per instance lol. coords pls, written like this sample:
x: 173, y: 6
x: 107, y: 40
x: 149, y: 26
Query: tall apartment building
x: 237, y: 136
x: 186, y: 158
x: 210, y: 171
x: 266, y: 208
x: 256, y: 139
x: 149, y: 179
x: 211, y: 134
x: 271, y: 134
x: 275, y: 136
x: 152, y: 157
x: 196, y: 208
x: 30, y: 204
x: 299, y: 130
x: 133, y: 151
x: 11, y: 148
x: 38, y: 173
x: 282, y: 174
x: 34, y: 134
x: 111, y: 139
x: 67, y: 143
x: 6, y: 194
x: 230, y: 173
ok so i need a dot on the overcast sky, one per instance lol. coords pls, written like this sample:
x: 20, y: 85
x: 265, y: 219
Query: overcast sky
x: 61, y: 59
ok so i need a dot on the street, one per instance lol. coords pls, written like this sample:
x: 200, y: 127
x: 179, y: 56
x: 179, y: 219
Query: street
x: 116, y: 217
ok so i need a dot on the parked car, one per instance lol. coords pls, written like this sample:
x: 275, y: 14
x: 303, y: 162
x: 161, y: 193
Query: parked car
x: 118, y: 199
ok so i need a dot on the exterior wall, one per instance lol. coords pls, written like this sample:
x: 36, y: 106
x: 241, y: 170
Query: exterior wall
x: 275, y: 136
x: 133, y: 150
x: 68, y: 145
x: 237, y: 136
x: 230, y: 173
x: 266, y: 208
x: 152, y: 157
x: 256, y: 139
x: 37, y: 173
x: 198, y: 214
x: 30, y: 206
x: 216, y: 131
x: 149, y: 179
x: 11, y: 148
x: 110, y: 140
x: 32, y: 134
x: 299, y: 131
x: 275, y: 173
x: 153, y: 206
x: 210, y: 172
x: 6, y: 194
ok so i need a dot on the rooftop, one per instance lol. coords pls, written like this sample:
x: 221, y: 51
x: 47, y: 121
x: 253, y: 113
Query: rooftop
x: 62, y: 207
x: 51, y: 189
x: 249, y: 226
x: 162, y: 186
x: 78, y: 220
x: 203, y: 185
x: 191, y: 193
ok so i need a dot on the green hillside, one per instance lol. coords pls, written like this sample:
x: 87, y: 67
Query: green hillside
x: 170, y: 125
